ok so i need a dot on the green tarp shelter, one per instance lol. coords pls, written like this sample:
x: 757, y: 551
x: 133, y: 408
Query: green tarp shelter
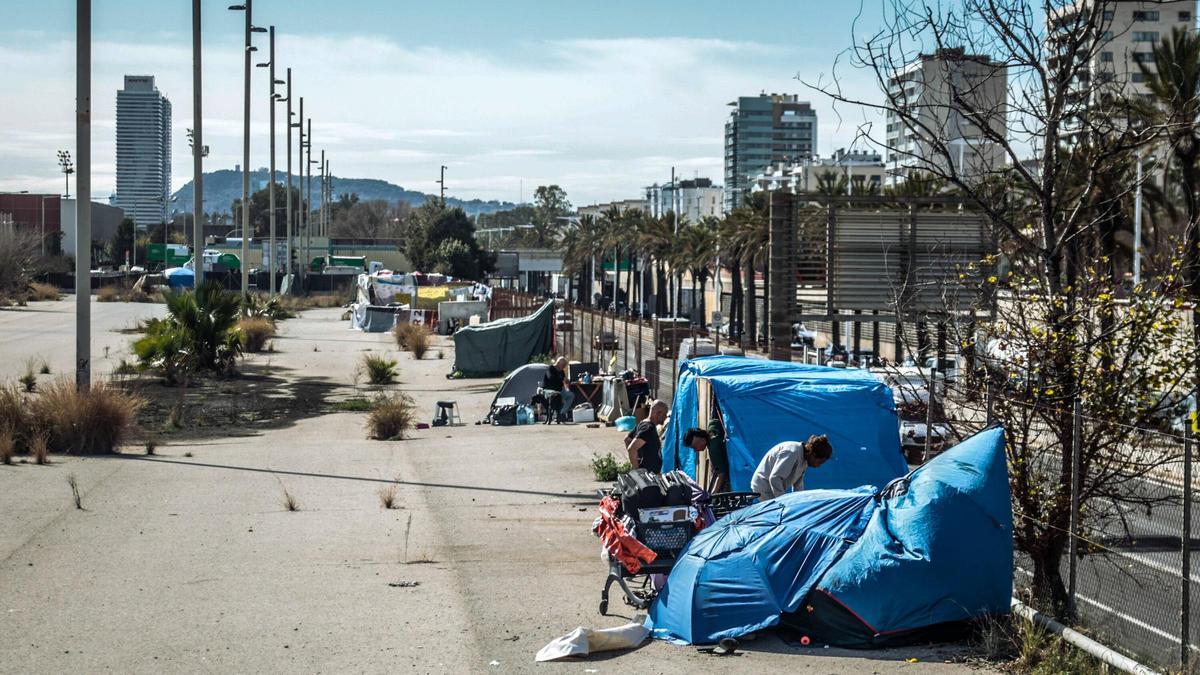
x: 501, y: 345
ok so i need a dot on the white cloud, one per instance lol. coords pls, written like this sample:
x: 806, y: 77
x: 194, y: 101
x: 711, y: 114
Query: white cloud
x: 602, y: 118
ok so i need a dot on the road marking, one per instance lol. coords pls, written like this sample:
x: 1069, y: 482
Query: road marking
x: 1129, y: 619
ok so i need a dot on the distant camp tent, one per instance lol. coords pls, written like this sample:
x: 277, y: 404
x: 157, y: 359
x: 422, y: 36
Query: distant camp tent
x: 854, y: 568
x: 499, y: 346
x: 522, y: 383
x: 179, y: 278
x: 767, y: 402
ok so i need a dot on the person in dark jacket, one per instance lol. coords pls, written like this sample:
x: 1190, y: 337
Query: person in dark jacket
x: 645, y: 446
x: 554, y: 384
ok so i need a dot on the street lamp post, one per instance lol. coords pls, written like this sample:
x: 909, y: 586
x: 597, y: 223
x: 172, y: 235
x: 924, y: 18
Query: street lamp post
x: 270, y: 65
x: 321, y: 209
x: 309, y: 161
x: 83, y: 206
x: 288, y: 198
x: 64, y: 161
x: 197, y: 154
x: 300, y: 219
x: 248, y: 8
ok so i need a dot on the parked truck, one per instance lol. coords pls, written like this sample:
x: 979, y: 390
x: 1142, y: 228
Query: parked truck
x: 162, y: 256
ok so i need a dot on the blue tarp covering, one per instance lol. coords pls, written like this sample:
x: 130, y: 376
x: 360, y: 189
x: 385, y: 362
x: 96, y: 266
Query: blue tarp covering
x: 741, y: 573
x: 932, y: 547
x: 941, y: 551
x: 768, y: 402
x: 180, y: 277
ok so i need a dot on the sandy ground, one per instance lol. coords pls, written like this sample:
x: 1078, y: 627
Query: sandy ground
x: 189, y: 562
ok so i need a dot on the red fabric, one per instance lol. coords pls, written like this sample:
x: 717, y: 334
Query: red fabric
x: 621, y: 546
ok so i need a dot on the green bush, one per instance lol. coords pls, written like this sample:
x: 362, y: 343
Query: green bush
x: 198, y: 334
x: 378, y: 369
x: 262, y: 307
x: 606, y: 468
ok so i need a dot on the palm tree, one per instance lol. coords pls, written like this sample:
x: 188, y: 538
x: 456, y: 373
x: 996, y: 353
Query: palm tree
x: 701, y: 245
x: 752, y: 235
x: 731, y: 245
x: 656, y: 237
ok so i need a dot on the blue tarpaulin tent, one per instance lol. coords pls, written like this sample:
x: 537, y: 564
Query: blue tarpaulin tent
x: 180, y: 277
x: 854, y: 567
x: 768, y: 402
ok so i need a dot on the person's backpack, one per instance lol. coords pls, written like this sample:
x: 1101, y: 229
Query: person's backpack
x: 505, y: 416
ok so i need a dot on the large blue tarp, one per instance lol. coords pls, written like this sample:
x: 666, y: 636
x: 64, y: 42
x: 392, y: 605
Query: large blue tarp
x: 768, y: 402
x: 741, y: 573
x: 932, y: 547
x: 940, y: 550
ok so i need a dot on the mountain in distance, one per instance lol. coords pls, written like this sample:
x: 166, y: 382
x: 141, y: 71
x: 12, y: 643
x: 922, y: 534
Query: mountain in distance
x: 222, y: 187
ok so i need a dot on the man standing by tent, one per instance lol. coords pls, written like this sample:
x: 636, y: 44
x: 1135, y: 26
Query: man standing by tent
x: 555, y: 382
x: 645, y: 447
x: 782, y: 469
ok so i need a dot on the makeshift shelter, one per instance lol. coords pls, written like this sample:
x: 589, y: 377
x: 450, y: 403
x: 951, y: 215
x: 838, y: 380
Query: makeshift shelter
x: 938, y: 550
x: 767, y: 402
x: 854, y: 568
x: 502, y: 345
x: 179, y: 278
x: 522, y: 384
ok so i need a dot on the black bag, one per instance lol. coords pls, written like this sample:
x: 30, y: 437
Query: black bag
x: 504, y: 416
x: 676, y: 489
x: 639, y: 490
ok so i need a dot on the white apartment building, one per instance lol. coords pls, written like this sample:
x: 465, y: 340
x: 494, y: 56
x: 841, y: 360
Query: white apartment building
x: 928, y: 89
x: 143, y: 152
x: 1127, y: 31
x: 863, y: 172
x: 598, y: 210
x: 693, y: 199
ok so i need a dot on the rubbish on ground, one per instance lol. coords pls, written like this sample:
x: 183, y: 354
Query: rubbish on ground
x: 766, y: 402
x: 875, y: 566
x: 584, y: 641
x: 404, y: 584
x: 593, y: 426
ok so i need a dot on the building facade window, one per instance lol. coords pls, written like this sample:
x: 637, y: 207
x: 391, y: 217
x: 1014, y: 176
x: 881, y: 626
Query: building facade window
x: 1185, y: 16
x: 1151, y: 15
x: 1106, y: 57
x: 1108, y: 15
x: 1143, y: 57
x: 1145, y: 36
x: 1137, y: 77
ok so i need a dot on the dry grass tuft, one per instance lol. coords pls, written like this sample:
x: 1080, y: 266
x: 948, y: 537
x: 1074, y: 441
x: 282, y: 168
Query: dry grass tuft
x: 175, y: 416
x: 40, y: 291
x: 92, y: 421
x: 255, y: 332
x: 8, y: 446
x: 40, y: 449
x: 390, y: 417
x: 75, y: 490
x: 108, y: 294
x: 387, y: 496
x: 289, y: 500
x: 14, y: 413
x: 413, y: 337
x: 151, y: 445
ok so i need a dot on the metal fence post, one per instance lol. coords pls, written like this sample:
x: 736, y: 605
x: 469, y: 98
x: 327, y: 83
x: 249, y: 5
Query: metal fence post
x: 929, y: 415
x: 1073, y: 542
x: 989, y: 401
x: 1185, y: 596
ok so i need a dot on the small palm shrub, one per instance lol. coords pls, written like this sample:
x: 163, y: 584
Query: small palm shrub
x: 255, y: 331
x: 198, y: 334
x: 91, y: 421
x: 378, y: 369
x: 390, y: 417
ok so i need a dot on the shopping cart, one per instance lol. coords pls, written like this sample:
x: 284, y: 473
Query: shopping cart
x: 667, y: 540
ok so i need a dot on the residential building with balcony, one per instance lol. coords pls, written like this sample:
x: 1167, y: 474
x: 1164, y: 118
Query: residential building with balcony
x: 762, y: 131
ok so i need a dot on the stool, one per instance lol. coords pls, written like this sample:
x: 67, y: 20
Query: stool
x: 448, y: 410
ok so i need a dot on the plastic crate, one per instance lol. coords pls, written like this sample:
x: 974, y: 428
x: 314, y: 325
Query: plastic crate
x: 665, y: 537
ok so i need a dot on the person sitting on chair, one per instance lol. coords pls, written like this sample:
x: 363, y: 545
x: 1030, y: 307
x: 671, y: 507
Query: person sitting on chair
x: 782, y: 469
x: 556, y: 391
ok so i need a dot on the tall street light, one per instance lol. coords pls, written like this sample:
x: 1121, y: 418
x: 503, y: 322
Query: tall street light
x: 270, y: 65
x: 309, y: 161
x: 83, y: 205
x: 64, y: 162
x: 288, y: 202
x: 301, y: 229
x: 198, y: 152
x: 248, y: 8
x: 321, y: 209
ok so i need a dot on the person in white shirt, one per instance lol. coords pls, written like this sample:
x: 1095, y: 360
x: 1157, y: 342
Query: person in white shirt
x: 782, y: 468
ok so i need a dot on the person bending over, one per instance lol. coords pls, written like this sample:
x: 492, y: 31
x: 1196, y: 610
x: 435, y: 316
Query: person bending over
x: 718, y: 454
x: 782, y: 468
x: 645, y: 447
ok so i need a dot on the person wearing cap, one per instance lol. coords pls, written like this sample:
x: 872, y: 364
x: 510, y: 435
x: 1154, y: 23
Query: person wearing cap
x: 782, y: 469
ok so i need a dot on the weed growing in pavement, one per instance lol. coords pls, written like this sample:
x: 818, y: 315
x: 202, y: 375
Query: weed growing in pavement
x: 151, y: 445
x: 390, y: 417
x: 8, y: 446
x: 40, y: 449
x: 1028, y: 648
x: 94, y: 420
x: 378, y: 369
x: 418, y: 343
x: 41, y: 291
x: 75, y: 490
x: 28, y: 380
x: 14, y: 414
x: 45, y: 369
x: 125, y: 368
x: 356, y: 404
x: 187, y: 454
x: 175, y: 416
x: 606, y: 468
x: 289, y: 501
x: 255, y: 331
x: 440, y: 354
x: 387, y: 497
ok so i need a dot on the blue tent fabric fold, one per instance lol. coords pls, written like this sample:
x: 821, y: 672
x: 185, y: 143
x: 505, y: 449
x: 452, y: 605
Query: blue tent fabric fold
x: 931, y: 548
x: 767, y: 402
x: 741, y: 573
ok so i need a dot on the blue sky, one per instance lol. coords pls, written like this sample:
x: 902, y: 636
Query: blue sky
x: 600, y: 97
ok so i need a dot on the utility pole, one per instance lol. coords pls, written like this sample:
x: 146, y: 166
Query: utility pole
x: 301, y: 221
x: 288, y: 200
x: 197, y: 154
x: 271, y: 182
x: 442, y: 184
x: 321, y: 211
x: 308, y: 162
x: 248, y: 8
x: 83, y: 203
x: 328, y: 197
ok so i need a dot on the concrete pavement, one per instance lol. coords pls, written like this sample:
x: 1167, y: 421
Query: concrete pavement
x: 191, y: 563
